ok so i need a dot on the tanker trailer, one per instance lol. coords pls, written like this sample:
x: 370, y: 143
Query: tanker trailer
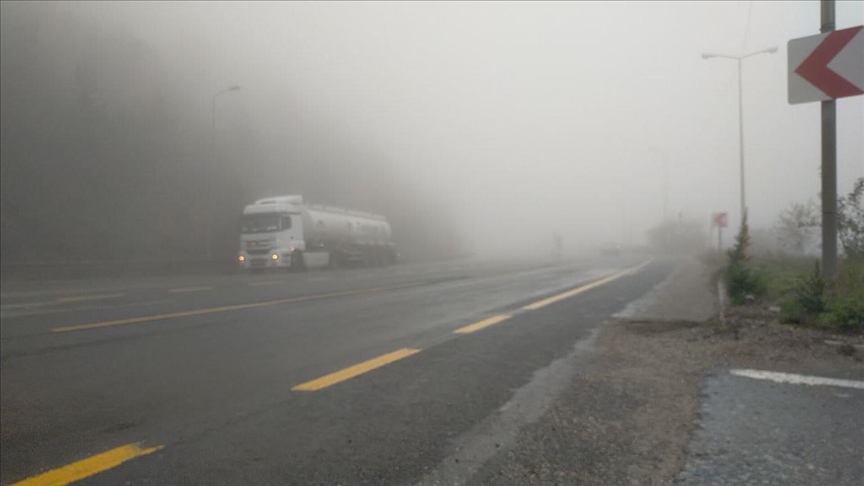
x: 288, y: 232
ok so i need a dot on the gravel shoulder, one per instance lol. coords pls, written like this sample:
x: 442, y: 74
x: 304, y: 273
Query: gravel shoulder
x: 628, y: 415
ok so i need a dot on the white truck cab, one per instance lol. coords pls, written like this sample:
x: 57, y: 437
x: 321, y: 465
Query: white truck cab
x: 271, y: 233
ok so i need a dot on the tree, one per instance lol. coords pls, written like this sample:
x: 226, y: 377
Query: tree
x: 100, y: 159
x: 850, y: 215
x: 796, y: 226
x: 740, y: 252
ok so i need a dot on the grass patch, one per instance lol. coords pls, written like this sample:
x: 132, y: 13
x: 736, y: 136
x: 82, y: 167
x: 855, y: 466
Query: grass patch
x: 784, y: 272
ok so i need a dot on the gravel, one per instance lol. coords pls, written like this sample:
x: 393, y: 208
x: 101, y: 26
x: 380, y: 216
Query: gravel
x: 628, y: 416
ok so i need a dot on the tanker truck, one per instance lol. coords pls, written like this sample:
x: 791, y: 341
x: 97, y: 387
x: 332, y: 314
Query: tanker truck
x: 288, y: 232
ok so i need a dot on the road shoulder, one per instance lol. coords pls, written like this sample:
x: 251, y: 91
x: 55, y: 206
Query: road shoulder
x: 628, y: 416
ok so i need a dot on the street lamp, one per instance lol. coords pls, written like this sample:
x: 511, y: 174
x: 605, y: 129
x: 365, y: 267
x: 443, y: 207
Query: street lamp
x: 233, y: 87
x: 708, y: 55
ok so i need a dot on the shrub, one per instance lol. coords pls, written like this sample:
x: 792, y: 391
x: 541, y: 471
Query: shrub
x: 850, y: 212
x: 738, y: 253
x: 850, y: 279
x: 743, y: 279
x: 810, y: 293
x: 792, y: 312
x: 844, y: 301
x: 836, y: 303
x: 844, y: 314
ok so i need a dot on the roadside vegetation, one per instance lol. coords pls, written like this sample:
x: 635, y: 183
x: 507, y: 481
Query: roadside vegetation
x: 744, y: 279
x: 835, y: 303
x: 794, y: 282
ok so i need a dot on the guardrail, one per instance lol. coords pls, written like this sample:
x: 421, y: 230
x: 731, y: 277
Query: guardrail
x: 97, y: 269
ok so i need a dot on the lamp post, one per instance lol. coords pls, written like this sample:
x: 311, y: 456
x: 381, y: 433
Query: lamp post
x: 235, y: 87
x: 770, y: 50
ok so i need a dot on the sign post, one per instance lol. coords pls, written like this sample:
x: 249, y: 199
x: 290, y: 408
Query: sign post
x: 829, y: 164
x: 720, y: 220
x: 823, y: 68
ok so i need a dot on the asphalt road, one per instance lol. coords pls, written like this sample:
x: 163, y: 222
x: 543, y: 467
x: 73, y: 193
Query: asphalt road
x: 755, y: 431
x: 330, y: 377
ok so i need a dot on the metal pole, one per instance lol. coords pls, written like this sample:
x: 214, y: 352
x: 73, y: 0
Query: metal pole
x: 829, y: 165
x: 665, y: 188
x: 741, y: 137
x: 208, y: 204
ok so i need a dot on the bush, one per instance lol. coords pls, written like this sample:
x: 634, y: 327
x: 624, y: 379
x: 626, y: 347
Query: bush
x: 810, y: 293
x: 836, y: 303
x: 844, y: 301
x: 850, y: 212
x: 743, y: 279
x: 850, y: 279
x: 844, y: 314
x: 792, y: 312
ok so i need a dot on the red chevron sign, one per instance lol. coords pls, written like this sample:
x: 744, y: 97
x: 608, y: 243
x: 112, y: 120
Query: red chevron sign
x: 826, y: 66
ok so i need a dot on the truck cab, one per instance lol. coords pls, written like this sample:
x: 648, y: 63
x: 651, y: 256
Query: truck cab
x: 271, y: 234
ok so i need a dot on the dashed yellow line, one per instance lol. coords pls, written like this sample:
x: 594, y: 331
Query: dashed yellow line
x: 482, y: 324
x: 356, y: 370
x: 212, y: 310
x: 189, y: 289
x: 579, y: 290
x: 89, y: 466
x: 89, y: 297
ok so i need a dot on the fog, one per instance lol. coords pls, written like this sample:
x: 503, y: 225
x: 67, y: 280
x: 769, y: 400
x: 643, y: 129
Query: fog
x: 476, y: 127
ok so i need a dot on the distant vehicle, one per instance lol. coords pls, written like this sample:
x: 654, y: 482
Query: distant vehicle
x: 287, y: 232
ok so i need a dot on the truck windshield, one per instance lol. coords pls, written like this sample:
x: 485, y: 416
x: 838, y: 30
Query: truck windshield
x: 260, y: 223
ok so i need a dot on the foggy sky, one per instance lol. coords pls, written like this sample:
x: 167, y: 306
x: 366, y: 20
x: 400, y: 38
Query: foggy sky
x: 527, y: 117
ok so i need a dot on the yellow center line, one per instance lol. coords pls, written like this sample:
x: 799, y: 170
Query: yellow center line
x: 579, y: 290
x: 190, y: 289
x: 89, y: 297
x: 212, y: 310
x: 482, y: 324
x: 352, y: 371
x: 88, y: 467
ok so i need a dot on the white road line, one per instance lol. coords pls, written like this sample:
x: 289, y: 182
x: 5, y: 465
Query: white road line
x: 26, y: 305
x: 797, y: 379
x: 189, y: 289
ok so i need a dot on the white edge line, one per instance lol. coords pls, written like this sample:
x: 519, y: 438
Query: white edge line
x: 189, y: 289
x: 797, y: 379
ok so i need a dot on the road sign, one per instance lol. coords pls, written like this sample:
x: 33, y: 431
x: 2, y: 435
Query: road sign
x: 826, y: 66
x: 721, y: 220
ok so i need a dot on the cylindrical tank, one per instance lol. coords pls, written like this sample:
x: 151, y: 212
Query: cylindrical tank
x: 328, y: 227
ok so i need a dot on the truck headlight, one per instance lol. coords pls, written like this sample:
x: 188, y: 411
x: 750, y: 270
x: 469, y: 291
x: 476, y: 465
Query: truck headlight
x: 241, y: 258
x: 274, y: 257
